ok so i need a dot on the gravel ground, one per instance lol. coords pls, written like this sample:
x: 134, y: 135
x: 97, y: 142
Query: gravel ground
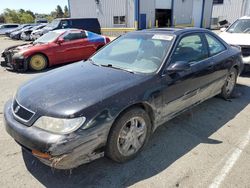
x: 207, y: 146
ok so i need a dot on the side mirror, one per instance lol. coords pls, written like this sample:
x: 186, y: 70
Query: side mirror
x: 223, y: 29
x: 60, y: 41
x: 178, y: 66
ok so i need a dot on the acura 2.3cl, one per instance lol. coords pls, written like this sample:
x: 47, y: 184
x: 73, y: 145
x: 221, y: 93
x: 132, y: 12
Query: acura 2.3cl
x: 112, y: 103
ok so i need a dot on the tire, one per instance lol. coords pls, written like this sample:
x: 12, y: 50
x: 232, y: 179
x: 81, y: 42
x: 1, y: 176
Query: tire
x: 126, y: 131
x: 38, y: 62
x: 230, y: 83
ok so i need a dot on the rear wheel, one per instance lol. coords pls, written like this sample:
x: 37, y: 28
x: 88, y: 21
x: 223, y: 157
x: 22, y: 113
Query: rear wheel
x: 230, y: 83
x: 128, y: 135
x: 38, y: 62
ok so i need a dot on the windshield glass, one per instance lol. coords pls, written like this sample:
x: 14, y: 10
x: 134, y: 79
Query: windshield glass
x: 53, y: 24
x: 135, y: 52
x: 48, y: 37
x: 240, y: 26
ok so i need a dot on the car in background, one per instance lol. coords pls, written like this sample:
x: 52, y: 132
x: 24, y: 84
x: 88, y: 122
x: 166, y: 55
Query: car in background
x: 54, y: 48
x: 41, y: 21
x: 26, y: 34
x: 111, y: 104
x: 36, y: 34
x: 239, y: 34
x: 16, y: 29
x: 7, y: 27
x: 17, y: 34
x: 89, y: 24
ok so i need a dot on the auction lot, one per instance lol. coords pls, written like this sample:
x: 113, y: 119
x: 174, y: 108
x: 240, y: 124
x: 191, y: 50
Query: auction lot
x: 206, y: 146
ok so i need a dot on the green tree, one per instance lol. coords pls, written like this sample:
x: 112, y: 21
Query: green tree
x: 59, y: 12
x: 30, y: 13
x: 2, y: 19
x: 26, y: 18
x: 11, y: 16
x: 66, y: 12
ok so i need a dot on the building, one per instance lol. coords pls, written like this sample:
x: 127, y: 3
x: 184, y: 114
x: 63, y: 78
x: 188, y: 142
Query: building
x: 144, y: 13
x: 230, y: 10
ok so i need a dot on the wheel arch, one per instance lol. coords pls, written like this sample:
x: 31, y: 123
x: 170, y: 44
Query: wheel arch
x: 143, y: 105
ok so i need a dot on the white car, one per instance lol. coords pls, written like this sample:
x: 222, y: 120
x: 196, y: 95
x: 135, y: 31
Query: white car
x: 239, y: 34
x: 36, y: 34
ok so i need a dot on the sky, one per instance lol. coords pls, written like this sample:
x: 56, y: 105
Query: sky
x: 36, y: 6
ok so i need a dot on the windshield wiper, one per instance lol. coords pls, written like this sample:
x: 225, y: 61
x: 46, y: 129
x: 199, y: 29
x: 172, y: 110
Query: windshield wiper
x: 118, y: 68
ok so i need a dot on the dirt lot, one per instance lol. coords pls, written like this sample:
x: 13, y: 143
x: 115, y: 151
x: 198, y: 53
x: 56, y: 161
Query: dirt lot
x: 207, y: 146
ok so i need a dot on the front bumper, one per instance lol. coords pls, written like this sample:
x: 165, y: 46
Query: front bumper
x: 64, y: 151
x: 15, y: 63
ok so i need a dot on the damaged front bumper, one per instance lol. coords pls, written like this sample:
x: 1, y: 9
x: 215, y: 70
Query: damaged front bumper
x: 57, y: 151
x: 14, y: 60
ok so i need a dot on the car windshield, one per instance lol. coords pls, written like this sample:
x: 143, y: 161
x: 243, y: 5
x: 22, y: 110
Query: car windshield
x: 135, y: 52
x: 48, y: 37
x: 240, y: 26
x: 53, y: 24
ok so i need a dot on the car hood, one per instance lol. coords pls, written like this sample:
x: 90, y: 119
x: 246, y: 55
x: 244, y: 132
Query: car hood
x: 242, y: 39
x: 26, y: 47
x: 69, y: 90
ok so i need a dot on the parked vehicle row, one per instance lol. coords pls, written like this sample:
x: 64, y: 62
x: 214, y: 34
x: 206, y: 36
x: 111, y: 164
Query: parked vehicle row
x: 111, y: 104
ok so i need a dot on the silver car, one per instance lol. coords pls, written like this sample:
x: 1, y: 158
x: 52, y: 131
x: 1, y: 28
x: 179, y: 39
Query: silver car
x: 7, y: 27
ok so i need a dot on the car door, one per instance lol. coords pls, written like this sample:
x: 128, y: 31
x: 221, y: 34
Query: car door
x: 217, y: 53
x: 73, y: 47
x: 183, y: 89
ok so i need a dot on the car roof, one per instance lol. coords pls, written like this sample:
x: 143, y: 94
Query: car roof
x: 10, y: 24
x: 174, y: 31
x: 245, y: 17
x: 64, y: 30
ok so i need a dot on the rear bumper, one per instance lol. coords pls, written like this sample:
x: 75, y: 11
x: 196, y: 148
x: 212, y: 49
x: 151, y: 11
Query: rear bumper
x: 62, y: 151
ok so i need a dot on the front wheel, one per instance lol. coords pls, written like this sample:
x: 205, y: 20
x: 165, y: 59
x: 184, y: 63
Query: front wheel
x: 230, y: 83
x: 38, y: 62
x: 128, y: 135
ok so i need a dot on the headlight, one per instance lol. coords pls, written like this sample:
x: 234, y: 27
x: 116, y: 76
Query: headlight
x: 59, y: 126
x: 18, y: 55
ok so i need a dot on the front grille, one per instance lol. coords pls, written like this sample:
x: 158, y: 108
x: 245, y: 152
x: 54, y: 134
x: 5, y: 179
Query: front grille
x: 21, y: 112
x: 245, y: 51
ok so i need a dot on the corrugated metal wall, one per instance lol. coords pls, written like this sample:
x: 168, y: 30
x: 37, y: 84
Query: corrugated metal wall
x: 229, y: 10
x: 183, y: 11
x: 207, y: 13
x: 148, y: 7
x: 104, y: 11
x: 107, y: 9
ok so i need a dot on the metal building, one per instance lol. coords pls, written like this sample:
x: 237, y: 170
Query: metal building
x: 230, y: 10
x: 144, y: 13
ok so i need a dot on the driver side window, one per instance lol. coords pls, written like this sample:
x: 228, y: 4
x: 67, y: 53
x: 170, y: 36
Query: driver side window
x: 190, y: 49
x: 74, y: 36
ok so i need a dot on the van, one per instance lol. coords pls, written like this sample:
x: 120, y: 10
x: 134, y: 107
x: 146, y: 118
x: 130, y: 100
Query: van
x: 90, y: 24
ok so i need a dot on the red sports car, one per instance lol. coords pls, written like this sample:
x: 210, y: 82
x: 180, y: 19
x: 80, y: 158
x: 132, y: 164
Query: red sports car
x: 54, y: 48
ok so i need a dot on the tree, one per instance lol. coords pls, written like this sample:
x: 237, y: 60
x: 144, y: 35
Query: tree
x: 26, y: 18
x: 2, y: 19
x: 66, y: 12
x: 11, y: 16
x: 59, y: 12
x: 30, y: 13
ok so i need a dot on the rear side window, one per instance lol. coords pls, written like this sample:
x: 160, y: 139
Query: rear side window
x: 11, y: 26
x: 74, y: 36
x: 215, y: 46
x: 64, y: 24
x: 190, y: 49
